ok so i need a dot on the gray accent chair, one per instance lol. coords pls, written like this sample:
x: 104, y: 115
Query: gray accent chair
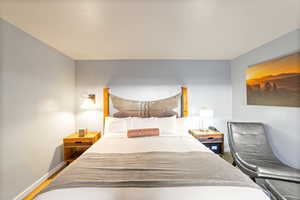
x: 253, y: 155
x: 282, y: 190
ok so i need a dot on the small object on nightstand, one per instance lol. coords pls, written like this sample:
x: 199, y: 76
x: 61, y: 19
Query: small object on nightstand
x: 74, y: 145
x: 214, y: 140
x: 212, y: 128
x: 82, y: 132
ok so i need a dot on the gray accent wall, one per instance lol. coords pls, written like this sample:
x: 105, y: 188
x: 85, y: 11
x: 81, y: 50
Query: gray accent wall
x: 37, y: 86
x: 208, y: 82
x: 282, y: 123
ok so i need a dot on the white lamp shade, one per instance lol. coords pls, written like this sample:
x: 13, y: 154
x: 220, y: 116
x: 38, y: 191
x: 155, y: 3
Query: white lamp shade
x: 206, y: 113
x: 88, y: 104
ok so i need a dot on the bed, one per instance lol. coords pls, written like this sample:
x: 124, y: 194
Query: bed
x: 172, y: 165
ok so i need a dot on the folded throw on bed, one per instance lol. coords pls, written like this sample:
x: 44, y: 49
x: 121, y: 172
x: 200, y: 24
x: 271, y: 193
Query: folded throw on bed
x: 142, y: 132
x: 150, y: 169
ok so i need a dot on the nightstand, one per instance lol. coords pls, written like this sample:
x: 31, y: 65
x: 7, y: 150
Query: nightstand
x: 214, y: 140
x: 74, y: 145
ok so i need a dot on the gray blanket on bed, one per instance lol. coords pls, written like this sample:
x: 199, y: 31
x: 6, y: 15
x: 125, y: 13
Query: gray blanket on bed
x: 150, y: 169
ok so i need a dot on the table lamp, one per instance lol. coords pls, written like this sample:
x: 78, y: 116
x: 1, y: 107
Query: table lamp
x: 205, y: 115
x: 89, y: 102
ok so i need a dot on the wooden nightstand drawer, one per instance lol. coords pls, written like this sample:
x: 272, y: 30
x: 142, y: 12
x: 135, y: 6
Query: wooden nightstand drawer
x: 74, y: 145
x: 209, y: 135
x: 78, y: 140
x: 211, y: 140
x: 77, y: 144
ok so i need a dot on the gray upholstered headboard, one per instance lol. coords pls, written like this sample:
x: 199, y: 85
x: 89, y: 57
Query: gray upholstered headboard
x: 119, y: 107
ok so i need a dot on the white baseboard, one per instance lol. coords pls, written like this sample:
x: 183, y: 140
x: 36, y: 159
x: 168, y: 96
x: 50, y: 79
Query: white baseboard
x: 39, y: 181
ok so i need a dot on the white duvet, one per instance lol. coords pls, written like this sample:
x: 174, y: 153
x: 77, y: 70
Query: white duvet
x: 115, y: 143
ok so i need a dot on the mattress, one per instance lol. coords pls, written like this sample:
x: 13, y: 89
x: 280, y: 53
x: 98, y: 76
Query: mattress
x: 114, y: 143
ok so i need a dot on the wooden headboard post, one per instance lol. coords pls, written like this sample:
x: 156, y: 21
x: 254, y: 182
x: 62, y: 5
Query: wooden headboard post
x: 105, y: 102
x: 184, y: 102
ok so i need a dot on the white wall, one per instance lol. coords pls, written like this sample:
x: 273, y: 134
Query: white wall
x: 37, y: 86
x: 283, y: 123
x: 208, y: 82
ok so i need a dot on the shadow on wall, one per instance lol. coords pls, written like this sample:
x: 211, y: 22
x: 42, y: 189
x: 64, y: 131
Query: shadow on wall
x: 57, y: 157
x: 152, y: 72
x: 276, y: 138
x: 120, y: 80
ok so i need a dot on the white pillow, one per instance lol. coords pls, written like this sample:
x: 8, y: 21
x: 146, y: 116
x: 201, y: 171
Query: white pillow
x: 182, y: 125
x: 116, y: 125
x: 139, y: 123
x: 166, y: 125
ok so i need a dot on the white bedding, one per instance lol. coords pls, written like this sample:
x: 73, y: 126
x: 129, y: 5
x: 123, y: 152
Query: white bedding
x: 116, y: 143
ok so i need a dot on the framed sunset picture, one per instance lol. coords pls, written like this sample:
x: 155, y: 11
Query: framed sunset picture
x: 275, y: 82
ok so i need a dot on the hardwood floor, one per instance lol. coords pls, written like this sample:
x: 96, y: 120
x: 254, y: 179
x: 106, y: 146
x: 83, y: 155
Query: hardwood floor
x: 42, y: 186
x: 227, y: 156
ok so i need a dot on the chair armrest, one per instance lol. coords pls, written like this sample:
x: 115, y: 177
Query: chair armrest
x: 248, y: 165
x: 289, y: 174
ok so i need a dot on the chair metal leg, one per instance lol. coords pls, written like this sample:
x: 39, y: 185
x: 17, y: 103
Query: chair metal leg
x: 234, y: 163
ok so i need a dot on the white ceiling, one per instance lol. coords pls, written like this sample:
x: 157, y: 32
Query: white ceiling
x: 153, y: 29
